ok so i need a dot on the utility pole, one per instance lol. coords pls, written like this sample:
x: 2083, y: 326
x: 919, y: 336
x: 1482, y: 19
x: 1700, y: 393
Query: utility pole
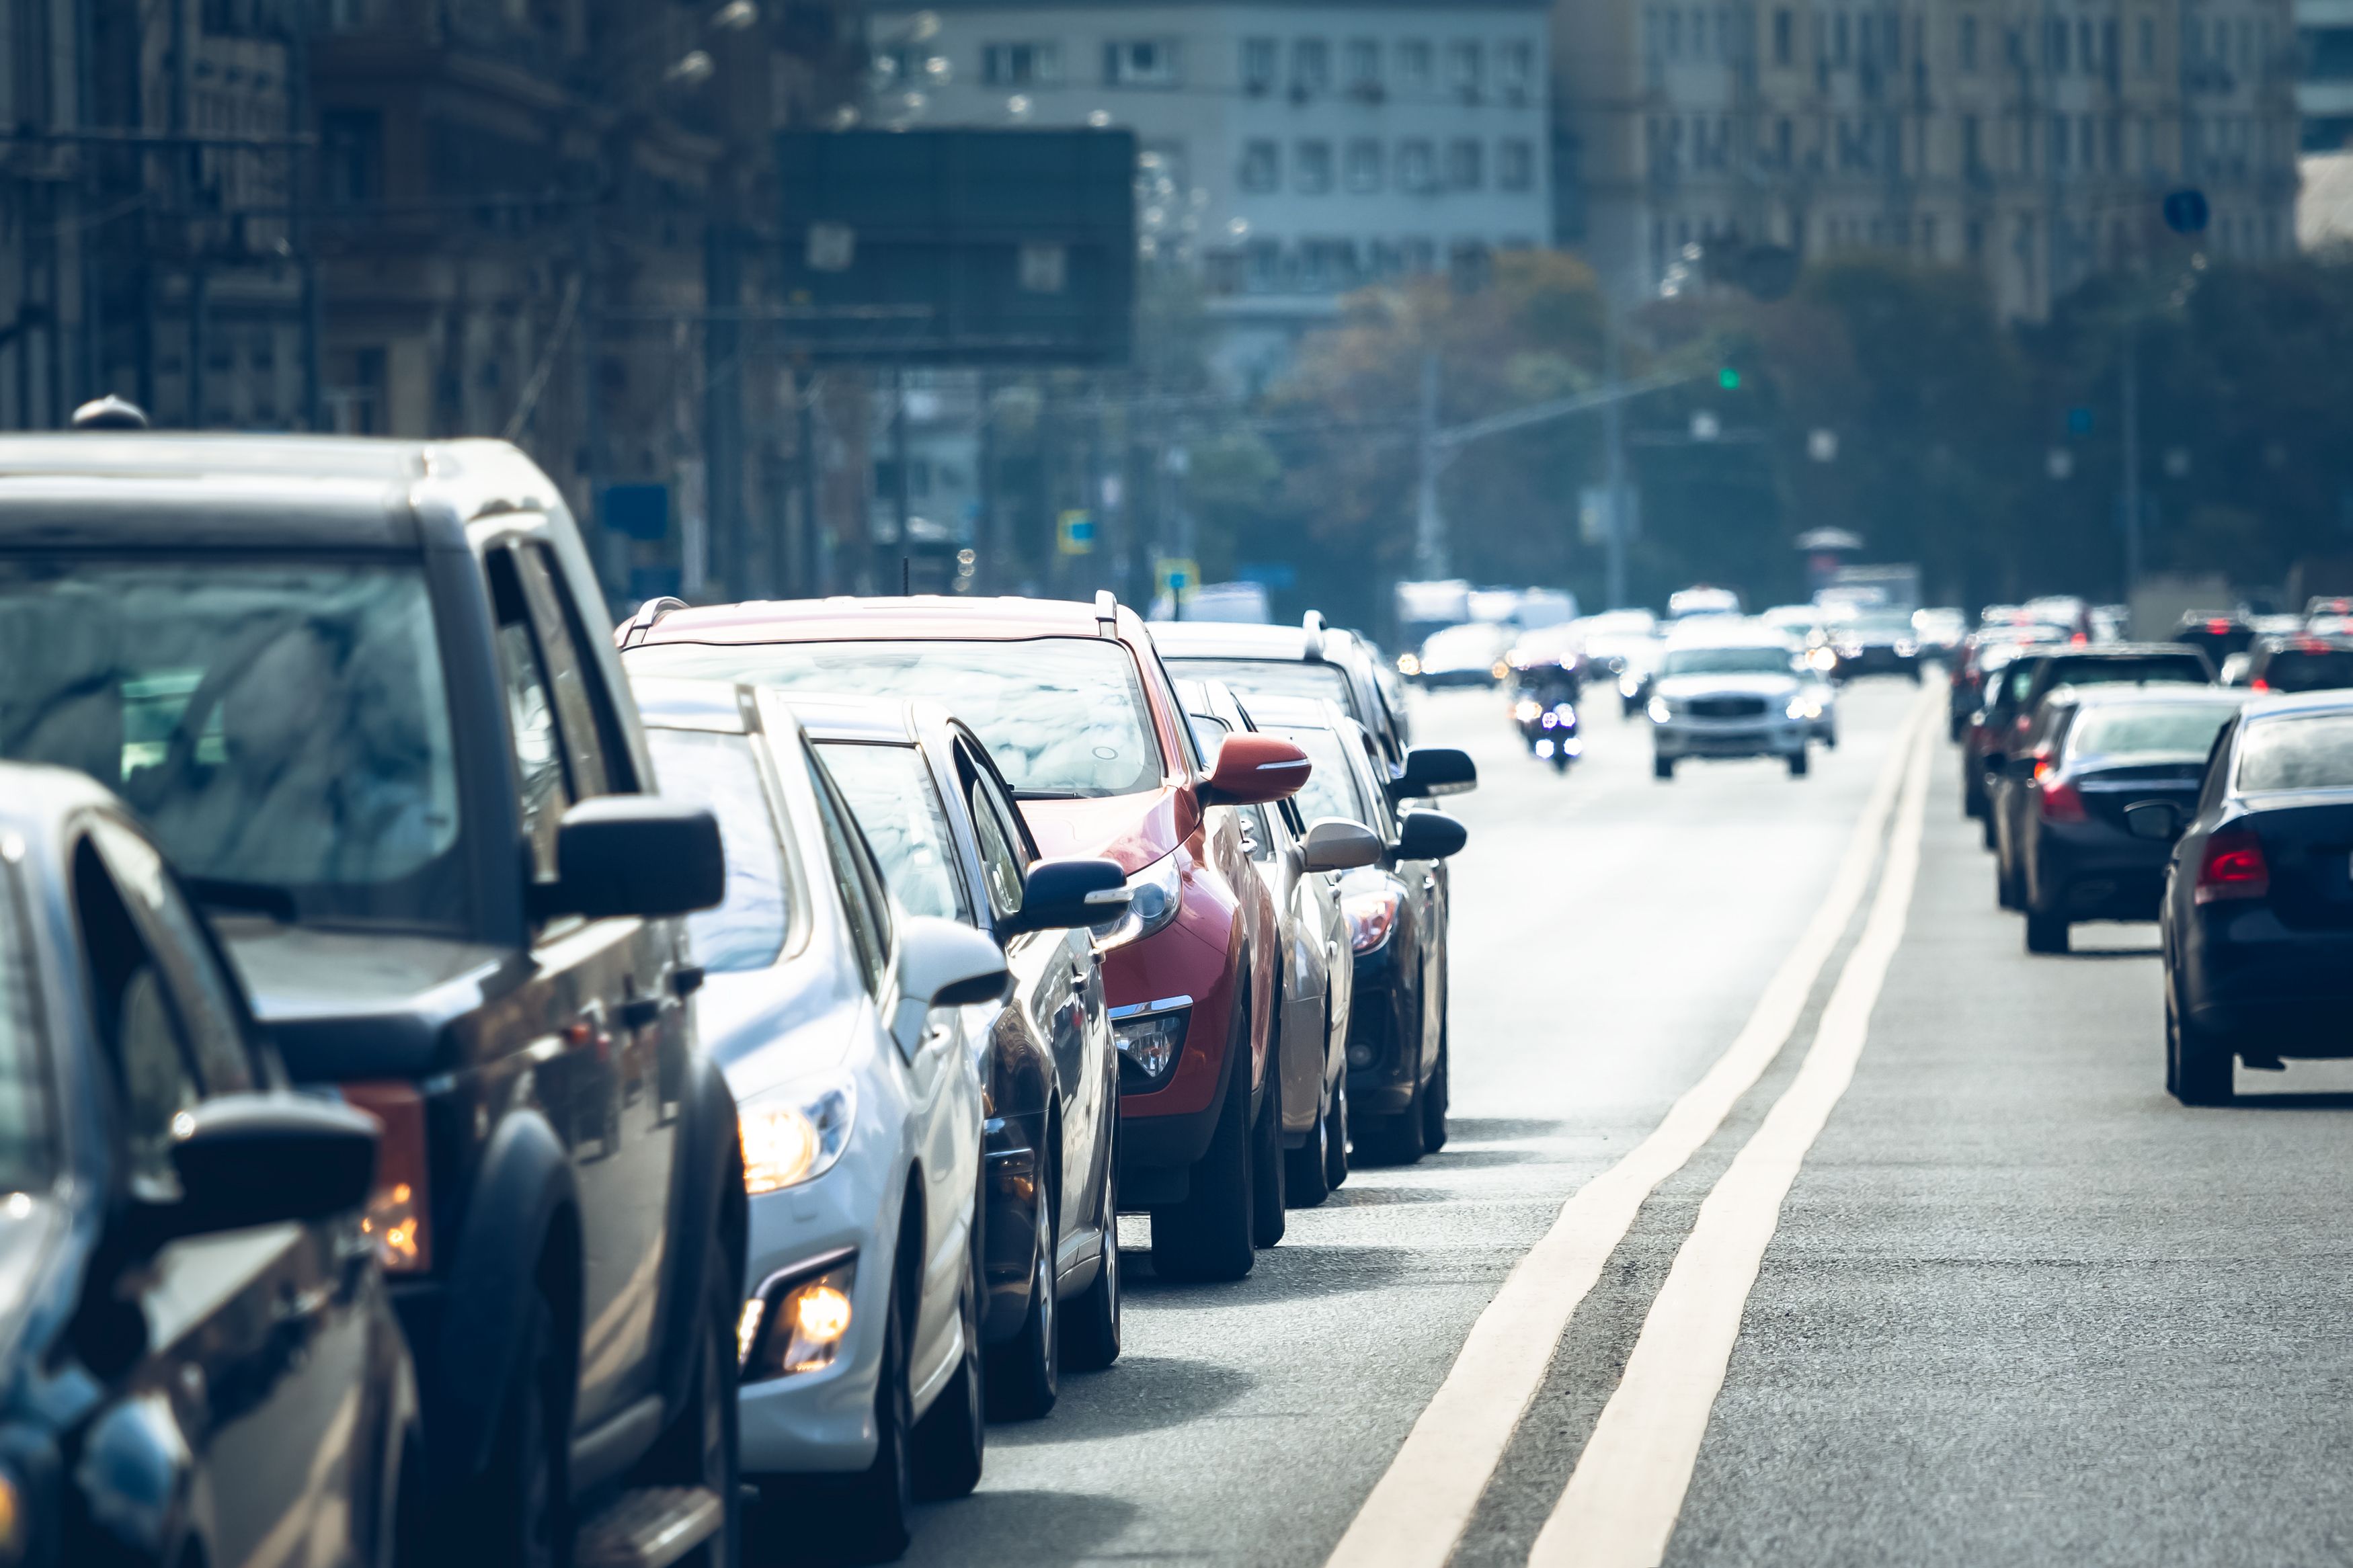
x: 1613, y: 455
x: 1430, y: 555
x: 2131, y: 367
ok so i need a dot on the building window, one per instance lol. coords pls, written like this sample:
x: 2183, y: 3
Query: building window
x: 1327, y: 265
x: 1465, y: 69
x: 1972, y: 156
x: 1262, y: 267
x: 1262, y: 167
x: 1363, y: 166
x: 1416, y: 170
x: 2057, y: 48
x: 1466, y: 165
x: 1258, y: 65
x: 2147, y: 50
x: 1311, y: 68
x: 1311, y: 167
x: 1515, y: 166
x: 1969, y: 44
x: 1516, y: 67
x: 1838, y: 40
x: 1140, y: 62
x: 1021, y: 64
x: 2059, y: 143
x: 1413, y: 65
x: 1470, y: 265
x: 1784, y: 41
x: 351, y: 155
x: 1782, y: 132
x: 1363, y: 60
x: 1674, y: 35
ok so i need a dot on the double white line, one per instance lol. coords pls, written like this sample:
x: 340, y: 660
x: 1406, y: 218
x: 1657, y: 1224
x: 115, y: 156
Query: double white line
x: 1620, y: 1503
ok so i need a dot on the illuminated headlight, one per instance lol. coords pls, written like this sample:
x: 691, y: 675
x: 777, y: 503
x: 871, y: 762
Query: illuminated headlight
x: 1564, y: 712
x: 1544, y: 750
x: 1526, y: 709
x: 1150, y: 1045
x: 1157, y: 892
x: 1802, y: 707
x: 1629, y: 684
x: 796, y: 1326
x: 1371, y: 914
x: 794, y: 1133
x: 1409, y: 665
x: 1823, y: 657
x: 1659, y: 711
x: 1501, y: 669
x: 1550, y: 721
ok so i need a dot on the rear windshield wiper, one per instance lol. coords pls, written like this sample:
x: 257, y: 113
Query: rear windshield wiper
x: 251, y: 897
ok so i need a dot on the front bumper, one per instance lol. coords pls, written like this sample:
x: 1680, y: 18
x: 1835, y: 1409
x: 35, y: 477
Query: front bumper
x: 1383, y: 1033
x: 1774, y: 735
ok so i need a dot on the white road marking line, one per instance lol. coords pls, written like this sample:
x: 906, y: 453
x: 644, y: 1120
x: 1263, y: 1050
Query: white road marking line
x: 1417, y: 1510
x: 1621, y: 1502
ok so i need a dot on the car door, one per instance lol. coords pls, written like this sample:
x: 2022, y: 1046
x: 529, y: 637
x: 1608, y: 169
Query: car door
x: 258, y: 1340
x: 1317, y: 897
x: 1426, y: 889
x: 589, y: 1031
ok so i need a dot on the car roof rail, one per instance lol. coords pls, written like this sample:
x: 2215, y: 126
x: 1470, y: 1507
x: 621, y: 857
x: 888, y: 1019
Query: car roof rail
x: 634, y: 630
x: 1313, y: 624
x: 1106, y: 613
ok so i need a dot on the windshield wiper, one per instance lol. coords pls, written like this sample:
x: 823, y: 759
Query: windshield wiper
x: 1050, y: 795
x: 252, y: 897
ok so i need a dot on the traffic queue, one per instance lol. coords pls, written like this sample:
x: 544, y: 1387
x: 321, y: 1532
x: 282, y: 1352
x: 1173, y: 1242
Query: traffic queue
x: 486, y: 1085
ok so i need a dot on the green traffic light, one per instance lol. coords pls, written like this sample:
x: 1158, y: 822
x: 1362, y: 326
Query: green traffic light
x: 1728, y: 378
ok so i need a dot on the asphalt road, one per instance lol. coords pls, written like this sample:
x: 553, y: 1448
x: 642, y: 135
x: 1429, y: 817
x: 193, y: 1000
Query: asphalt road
x: 1940, y: 1275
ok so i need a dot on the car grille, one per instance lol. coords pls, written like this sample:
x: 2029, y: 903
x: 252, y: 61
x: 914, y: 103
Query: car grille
x: 1725, y: 706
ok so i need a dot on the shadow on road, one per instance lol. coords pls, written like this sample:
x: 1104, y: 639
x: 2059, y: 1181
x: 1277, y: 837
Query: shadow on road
x: 1134, y: 1394
x: 2291, y: 1100
x: 1364, y: 1198
x: 1028, y: 1527
x: 1287, y: 1273
x: 1495, y: 1129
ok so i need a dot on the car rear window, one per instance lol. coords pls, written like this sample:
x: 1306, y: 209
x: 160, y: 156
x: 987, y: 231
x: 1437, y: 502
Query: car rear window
x: 2094, y: 669
x: 717, y: 772
x: 2300, y: 752
x: 2152, y: 730
x: 1331, y: 787
x: 1271, y: 678
x: 2309, y: 669
x: 891, y: 793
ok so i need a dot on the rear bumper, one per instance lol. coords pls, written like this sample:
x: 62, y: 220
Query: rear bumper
x: 2090, y: 871
x: 2285, y: 990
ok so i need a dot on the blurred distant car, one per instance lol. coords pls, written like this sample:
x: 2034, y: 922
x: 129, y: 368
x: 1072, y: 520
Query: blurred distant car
x: 1940, y: 631
x: 1702, y: 600
x: 1468, y: 655
x: 1874, y: 642
x: 1999, y: 728
x: 1983, y: 653
x: 2256, y: 927
x: 1547, y: 656
x: 2110, y: 622
x: 1311, y: 659
x: 1620, y: 644
x: 2217, y: 634
x: 2299, y: 664
x: 2277, y: 625
x: 2065, y: 850
x: 1805, y: 624
x: 1734, y: 693
x: 2062, y: 610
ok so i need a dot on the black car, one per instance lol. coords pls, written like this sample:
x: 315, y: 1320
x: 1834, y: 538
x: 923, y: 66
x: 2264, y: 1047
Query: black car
x: 2300, y: 664
x: 2065, y: 850
x: 1397, y: 914
x: 1874, y: 642
x: 197, y: 1347
x: 2000, y: 727
x: 361, y: 692
x: 2217, y: 634
x: 2257, y: 922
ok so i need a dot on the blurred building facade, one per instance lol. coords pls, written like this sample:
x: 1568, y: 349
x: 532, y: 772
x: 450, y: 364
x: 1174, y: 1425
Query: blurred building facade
x: 541, y: 219
x: 2033, y: 141
x: 2324, y: 92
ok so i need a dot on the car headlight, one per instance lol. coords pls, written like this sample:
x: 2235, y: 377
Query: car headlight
x: 1150, y: 1041
x: 1371, y: 914
x: 797, y: 1325
x: 1659, y: 711
x: 1629, y: 683
x: 1156, y: 893
x: 1803, y: 706
x: 1526, y: 708
x: 1823, y: 657
x: 794, y: 1133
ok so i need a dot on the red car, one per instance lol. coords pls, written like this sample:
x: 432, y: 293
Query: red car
x: 1084, y: 723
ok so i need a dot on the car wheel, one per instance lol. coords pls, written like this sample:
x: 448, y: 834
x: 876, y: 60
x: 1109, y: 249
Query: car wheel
x: 2198, y: 1064
x: 1663, y: 767
x: 1335, y: 1146
x: 519, y: 1514
x: 1304, y: 1182
x: 1396, y: 1139
x: 1830, y: 740
x: 700, y: 1448
x: 1025, y: 1373
x: 1090, y: 1325
x: 1267, y: 1164
x: 2005, y: 881
x: 1433, y: 1099
x: 1798, y: 765
x: 2045, y: 933
x: 1987, y: 834
x: 946, y: 1447
x: 1208, y: 1236
x: 1973, y: 800
x: 873, y: 1518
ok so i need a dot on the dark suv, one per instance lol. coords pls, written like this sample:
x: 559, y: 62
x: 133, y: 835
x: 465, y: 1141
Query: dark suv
x: 360, y: 691
x: 1999, y: 728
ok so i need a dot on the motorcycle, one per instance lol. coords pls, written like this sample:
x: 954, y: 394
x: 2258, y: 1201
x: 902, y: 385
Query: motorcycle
x: 1545, y: 712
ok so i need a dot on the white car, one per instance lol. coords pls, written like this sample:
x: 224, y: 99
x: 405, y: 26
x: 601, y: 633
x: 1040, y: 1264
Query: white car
x: 836, y: 1017
x: 1737, y: 694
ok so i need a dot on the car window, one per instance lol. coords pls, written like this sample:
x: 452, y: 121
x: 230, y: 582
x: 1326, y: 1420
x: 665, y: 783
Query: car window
x: 2152, y: 730
x: 2309, y: 669
x: 1063, y: 717
x: 212, y: 1017
x: 2189, y: 669
x: 154, y: 1073
x: 283, y: 727
x: 1257, y: 839
x: 1331, y: 789
x: 28, y: 1146
x: 2298, y: 751
x: 1271, y: 678
x: 855, y: 878
x: 721, y: 773
x: 542, y: 781
x: 561, y: 664
x: 1001, y: 856
x: 1725, y: 661
x: 891, y: 793
x: 605, y: 731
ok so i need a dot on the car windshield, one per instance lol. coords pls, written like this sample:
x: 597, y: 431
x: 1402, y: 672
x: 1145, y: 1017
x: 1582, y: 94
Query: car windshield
x: 1725, y: 661
x: 891, y: 792
x: 2094, y: 669
x: 1331, y: 789
x: 2300, y: 752
x: 1064, y: 717
x: 1271, y: 678
x: 282, y: 726
x: 2309, y: 669
x: 2136, y: 730
x: 719, y: 773
x: 25, y: 1147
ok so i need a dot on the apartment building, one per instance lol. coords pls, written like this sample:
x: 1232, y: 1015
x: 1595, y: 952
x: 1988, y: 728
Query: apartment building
x: 2324, y: 93
x: 2033, y: 140
x: 1289, y: 151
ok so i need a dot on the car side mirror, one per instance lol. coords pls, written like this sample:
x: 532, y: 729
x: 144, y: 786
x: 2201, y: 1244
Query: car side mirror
x: 1429, y: 835
x: 635, y: 855
x: 2157, y: 820
x: 1336, y: 844
x: 1434, y: 770
x: 1254, y: 769
x: 1061, y: 895
x: 245, y: 1160
x: 943, y: 964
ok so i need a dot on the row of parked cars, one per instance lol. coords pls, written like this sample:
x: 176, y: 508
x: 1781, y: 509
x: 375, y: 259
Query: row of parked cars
x: 2119, y: 781
x: 475, y: 1082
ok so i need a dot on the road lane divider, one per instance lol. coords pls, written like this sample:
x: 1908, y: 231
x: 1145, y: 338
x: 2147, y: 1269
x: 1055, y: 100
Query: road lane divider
x: 1619, y: 1507
x: 1418, y: 1509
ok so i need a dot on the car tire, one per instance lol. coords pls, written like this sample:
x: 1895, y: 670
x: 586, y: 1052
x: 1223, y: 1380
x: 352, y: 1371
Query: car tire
x: 701, y: 1446
x: 1987, y: 834
x: 2198, y: 1064
x: 1304, y: 1182
x: 947, y: 1446
x: 2005, y: 881
x: 2045, y: 932
x: 1396, y: 1139
x: 519, y: 1513
x: 1798, y: 765
x: 872, y: 1519
x: 1335, y: 1147
x: 1663, y: 767
x: 1973, y: 800
x: 1268, y: 1167
x: 1434, y: 1097
x: 1208, y: 1236
x: 1023, y: 1376
x: 1091, y: 1323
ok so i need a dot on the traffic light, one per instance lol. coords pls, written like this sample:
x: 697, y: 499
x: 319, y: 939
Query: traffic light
x: 1728, y: 378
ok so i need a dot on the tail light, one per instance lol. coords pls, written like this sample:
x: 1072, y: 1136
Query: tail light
x: 2261, y: 685
x: 2061, y: 801
x: 2232, y: 867
x: 400, y: 1213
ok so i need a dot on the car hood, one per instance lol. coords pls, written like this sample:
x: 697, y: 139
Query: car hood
x: 1133, y: 829
x: 345, y: 1005
x: 1682, y: 688
x: 772, y: 1026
